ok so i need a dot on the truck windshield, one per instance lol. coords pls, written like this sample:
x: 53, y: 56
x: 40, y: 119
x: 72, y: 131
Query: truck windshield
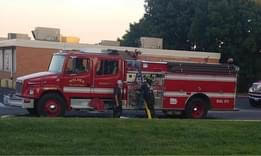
x: 57, y: 64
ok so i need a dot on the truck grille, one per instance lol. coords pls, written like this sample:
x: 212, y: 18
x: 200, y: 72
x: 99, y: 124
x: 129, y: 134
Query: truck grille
x: 19, y: 87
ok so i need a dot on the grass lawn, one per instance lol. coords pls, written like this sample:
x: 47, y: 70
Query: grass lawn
x: 73, y: 136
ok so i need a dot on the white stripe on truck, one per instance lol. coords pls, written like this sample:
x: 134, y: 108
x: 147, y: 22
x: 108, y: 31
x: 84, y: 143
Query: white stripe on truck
x: 88, y: 90
x: 201, y: 78
x: 209, y: 94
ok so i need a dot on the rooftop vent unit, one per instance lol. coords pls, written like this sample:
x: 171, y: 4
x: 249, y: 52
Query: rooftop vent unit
x: 18, y: 36
x: 110, y: 43
x: 3, y: 38
x: 151, y: 43
x: 47, y: 34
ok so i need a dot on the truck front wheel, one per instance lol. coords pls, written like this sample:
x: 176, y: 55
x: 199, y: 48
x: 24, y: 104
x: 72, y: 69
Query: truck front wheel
x: 51, y: 105
x: 196, y: 109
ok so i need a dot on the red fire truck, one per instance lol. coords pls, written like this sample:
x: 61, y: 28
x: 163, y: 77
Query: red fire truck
x: 76, y: 79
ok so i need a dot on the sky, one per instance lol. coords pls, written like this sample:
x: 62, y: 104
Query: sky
x: 91, y: 20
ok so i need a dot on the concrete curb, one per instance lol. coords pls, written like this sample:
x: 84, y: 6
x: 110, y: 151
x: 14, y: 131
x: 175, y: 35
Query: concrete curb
x: 7, y: 116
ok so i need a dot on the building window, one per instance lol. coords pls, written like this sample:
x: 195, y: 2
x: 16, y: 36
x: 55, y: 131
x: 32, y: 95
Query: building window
x: 14, y: 60
x: 1, y: 59
x: 8, y: 60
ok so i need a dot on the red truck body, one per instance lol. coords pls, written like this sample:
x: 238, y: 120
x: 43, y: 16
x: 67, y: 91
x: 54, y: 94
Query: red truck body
x: 190, y: 88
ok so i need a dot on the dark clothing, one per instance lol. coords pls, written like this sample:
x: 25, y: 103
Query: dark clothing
x: 117, y: 109
x: 148, y: 96
x: 139, y: 99
x: 117, y: 92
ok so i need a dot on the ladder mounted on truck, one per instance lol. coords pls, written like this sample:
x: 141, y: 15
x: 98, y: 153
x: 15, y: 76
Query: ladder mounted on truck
x: 127, y: 55
x: 197, y: 68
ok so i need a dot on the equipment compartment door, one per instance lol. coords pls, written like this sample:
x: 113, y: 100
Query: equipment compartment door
x: 135, y: 99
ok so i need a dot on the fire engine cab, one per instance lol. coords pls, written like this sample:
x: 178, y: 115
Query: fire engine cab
x: 76, y: 79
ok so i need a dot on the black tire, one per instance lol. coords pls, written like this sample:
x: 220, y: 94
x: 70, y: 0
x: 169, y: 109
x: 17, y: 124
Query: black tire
x: 196, y: 109
x: 254, y: 103
x: 51, y: 105
x: 32, y: 111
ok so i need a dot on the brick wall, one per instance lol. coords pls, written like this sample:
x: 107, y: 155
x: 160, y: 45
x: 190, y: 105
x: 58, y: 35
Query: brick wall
x: 32, y: 60
x: 5, y: 75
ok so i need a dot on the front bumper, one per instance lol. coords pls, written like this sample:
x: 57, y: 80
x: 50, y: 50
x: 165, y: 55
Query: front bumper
x: 14, y: 101
x: 254, y: 96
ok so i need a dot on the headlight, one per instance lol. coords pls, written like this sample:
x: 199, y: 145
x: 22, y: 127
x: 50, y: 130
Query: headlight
x: 256, y: 87
x: 31, y: 92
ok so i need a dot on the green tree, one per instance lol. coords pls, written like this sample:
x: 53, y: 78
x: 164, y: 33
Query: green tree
x: 230, y: 27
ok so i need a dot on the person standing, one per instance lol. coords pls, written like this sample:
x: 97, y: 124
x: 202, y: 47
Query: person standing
x: 117, y: 108
x: 149, y: 97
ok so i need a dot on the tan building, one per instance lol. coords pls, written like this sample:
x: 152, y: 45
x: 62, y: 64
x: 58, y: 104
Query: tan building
x: 109, y: 43
x: 18, y: 36
x: 22, y: 57
x: 151, y: 42
x: 3, y: 38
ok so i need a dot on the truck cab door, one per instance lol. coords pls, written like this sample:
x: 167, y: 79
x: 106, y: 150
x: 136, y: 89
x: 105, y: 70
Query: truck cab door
x: 77, y: 77
x: 107, y: 72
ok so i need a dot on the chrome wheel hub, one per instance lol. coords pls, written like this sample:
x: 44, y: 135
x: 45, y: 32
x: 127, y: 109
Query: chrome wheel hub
x: 53, y: 107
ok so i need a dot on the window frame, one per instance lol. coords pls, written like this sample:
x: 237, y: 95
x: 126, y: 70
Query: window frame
x: 1, y: 59
x: 10, y: 60
x: 80, y: 73
x: 107, y: 75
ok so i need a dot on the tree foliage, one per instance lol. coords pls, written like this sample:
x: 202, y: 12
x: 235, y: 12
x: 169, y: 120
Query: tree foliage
x: 230, y: 27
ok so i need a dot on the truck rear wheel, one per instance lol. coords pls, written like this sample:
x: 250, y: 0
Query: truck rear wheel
x: 51, y: 105
x: 196, y: 109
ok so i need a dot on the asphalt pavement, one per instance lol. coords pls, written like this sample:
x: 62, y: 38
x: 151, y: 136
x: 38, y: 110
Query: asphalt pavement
x: 244, y: 112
